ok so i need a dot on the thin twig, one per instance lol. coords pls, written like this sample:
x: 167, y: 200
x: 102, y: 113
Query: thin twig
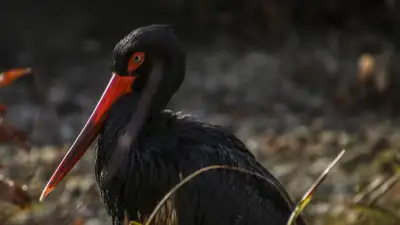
x: 196, y: 173
x: 308, y: 195
x: 377, y: 193
x: 369, y: 189
x: 384, y: 188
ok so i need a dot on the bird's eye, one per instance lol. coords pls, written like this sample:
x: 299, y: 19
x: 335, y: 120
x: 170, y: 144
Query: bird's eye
x: 135, y: 61
x: 137, y: 58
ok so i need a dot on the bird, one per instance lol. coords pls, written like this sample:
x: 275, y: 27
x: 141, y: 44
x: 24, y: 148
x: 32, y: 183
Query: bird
x: 148, y: 68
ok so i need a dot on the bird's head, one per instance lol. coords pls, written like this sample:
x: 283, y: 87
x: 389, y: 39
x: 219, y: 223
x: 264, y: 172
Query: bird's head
x: 147, y: 61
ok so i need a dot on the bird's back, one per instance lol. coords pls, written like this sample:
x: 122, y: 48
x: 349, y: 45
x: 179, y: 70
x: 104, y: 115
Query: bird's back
x: 172, y: 146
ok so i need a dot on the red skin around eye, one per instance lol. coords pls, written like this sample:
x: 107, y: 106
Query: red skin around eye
x: 132, y: 64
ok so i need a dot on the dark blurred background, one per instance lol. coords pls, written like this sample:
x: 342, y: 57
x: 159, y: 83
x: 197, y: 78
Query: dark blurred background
x: 296, y: 80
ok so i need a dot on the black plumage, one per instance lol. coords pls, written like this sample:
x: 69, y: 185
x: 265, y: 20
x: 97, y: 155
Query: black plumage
x: 171, y: 145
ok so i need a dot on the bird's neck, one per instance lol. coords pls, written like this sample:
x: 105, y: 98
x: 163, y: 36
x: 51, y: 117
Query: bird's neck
x: 127, y: 106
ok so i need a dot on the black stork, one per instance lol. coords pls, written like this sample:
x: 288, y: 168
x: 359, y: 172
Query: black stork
x: 167, y: 147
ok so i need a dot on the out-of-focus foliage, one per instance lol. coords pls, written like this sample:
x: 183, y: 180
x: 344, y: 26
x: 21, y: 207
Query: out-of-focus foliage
x: 13, y: 197
x: 9, y: 133
x: 8, y: 77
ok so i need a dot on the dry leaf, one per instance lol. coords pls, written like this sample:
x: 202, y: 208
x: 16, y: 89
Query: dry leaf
x: 11, y: 134
x: 12, y: 193
x: 366, y: 66
x: 374, y: 68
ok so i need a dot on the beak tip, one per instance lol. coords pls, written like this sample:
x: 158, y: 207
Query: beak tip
x: 42, y: 196
x: 46, y: 191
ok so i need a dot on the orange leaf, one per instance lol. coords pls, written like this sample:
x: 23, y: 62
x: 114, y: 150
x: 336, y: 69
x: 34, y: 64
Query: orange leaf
x: 12, y: 193
x: 8, y: 77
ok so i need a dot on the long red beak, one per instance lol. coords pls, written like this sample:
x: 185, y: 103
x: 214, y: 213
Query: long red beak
x: 118, y: 86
